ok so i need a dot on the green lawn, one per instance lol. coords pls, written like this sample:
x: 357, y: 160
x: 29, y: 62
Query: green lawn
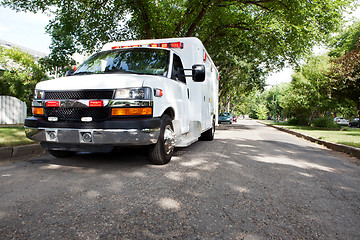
x: 13, y: 136
x: 346, y: 136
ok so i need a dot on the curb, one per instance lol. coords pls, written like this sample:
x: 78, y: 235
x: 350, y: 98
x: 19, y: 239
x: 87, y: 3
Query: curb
x: 354, y: 151
x: 7, y: 153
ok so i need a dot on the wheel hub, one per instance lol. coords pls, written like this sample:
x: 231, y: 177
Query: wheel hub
x: 169, y: 139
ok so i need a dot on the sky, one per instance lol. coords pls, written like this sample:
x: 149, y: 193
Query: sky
x: 28, y: 30
x: 25, y: 29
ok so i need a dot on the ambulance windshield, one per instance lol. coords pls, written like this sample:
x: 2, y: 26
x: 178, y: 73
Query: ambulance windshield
x: 134, y: 60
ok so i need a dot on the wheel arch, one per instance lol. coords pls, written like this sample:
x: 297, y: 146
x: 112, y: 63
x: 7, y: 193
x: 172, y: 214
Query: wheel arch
x: 170, y: 112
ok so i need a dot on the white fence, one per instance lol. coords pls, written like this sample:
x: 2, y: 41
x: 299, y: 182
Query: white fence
x: 12, y: 110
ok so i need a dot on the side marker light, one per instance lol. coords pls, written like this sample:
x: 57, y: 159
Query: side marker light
x: 158, y: 92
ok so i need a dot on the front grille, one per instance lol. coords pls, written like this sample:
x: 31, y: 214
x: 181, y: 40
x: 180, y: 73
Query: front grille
x: 97, y: 113
x: 85, y: 94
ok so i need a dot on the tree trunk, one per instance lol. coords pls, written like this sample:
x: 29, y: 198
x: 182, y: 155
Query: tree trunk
x: 199, y: 17
x: 145, y: 18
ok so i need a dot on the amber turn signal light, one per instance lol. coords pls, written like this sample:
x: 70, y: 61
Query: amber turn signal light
x: 131, y: 111
x: 38, y: 111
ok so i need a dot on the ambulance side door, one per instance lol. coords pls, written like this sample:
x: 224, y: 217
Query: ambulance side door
x: 182, y: 102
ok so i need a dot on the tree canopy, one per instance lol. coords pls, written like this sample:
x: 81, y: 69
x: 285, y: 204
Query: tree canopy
x: 20, y: 74
x: 346, y: 41
x: 260, y: 34
x: 345, y: 71
x: 322, y: 87
x: 309, y: 95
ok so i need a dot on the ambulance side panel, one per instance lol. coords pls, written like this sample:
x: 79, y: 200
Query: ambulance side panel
x: 200, y: 100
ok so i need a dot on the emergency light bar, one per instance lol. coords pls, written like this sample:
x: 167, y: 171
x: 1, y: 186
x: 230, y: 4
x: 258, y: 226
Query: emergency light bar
x: 117, y: 47
x: 162, y: 45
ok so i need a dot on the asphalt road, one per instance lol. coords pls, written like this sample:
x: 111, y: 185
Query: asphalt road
x: 251, y: 182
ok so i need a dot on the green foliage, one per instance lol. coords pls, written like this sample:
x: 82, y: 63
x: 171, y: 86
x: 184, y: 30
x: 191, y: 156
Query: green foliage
x: 345, y: 70
x: 309, y: 95
x: 325, y: 122
x: 238, y: 79
x: 321, y: 88
x: 298, y: 122
x: 346, y: 41
x: 257, y: 108
x: 21, y: 74
x: 277, y: 94
x: 244, y: 38
x: 261, y: 111
x: 57, y: 64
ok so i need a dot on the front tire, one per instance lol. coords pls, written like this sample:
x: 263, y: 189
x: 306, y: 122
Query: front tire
x: 162, y: 151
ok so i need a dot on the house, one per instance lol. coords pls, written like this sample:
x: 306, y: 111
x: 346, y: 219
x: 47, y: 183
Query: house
x: 35, y: 54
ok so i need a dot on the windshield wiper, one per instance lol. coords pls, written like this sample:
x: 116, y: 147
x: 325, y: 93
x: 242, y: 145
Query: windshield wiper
x: 83, y: 73
x: 121, y: 71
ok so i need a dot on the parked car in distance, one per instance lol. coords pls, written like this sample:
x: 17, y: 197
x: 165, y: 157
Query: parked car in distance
x: 341, y: 121
x: 225, y: 117
x: 234, y: 118
x: 354, y: 122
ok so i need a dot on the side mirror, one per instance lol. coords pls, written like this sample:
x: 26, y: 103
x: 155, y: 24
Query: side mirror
x: 198, y: 73
x: 69, y: 73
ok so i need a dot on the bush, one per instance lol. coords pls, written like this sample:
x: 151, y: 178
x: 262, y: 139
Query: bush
x: 298, y: 122
x: 20, y: 74
x: 325, y: 123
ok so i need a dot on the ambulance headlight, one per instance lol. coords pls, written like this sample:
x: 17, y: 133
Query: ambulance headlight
x: 133, y: 93
x: 38, y: 94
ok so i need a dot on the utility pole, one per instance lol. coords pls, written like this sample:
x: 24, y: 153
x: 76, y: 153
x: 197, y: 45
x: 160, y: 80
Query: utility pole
x: 275, y: 101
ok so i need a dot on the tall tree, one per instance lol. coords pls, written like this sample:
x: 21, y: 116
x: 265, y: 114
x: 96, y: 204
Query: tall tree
x: 309, y: 93
x: 345, y: 71
x: 262, y: 33
x: 345, y: 77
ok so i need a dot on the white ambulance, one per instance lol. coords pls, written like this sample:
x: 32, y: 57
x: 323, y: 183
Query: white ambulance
x: 157, y: 93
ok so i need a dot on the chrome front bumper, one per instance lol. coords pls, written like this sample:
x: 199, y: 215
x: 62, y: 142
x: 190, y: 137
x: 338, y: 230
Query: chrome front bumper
x: 115, y: 137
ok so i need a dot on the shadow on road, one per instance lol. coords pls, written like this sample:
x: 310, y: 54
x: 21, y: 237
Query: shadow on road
x: 230, y: 188
x: 119, y: 158
x: 233, y: 127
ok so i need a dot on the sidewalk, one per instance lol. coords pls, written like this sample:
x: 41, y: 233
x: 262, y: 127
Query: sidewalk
x: 7, y: 153
x: 333, y: 146
x: 11, y: 125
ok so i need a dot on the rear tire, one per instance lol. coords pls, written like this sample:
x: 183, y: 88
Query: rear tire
x: 61, y: 154
x: 208, y: 135
x: 161, y: 152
